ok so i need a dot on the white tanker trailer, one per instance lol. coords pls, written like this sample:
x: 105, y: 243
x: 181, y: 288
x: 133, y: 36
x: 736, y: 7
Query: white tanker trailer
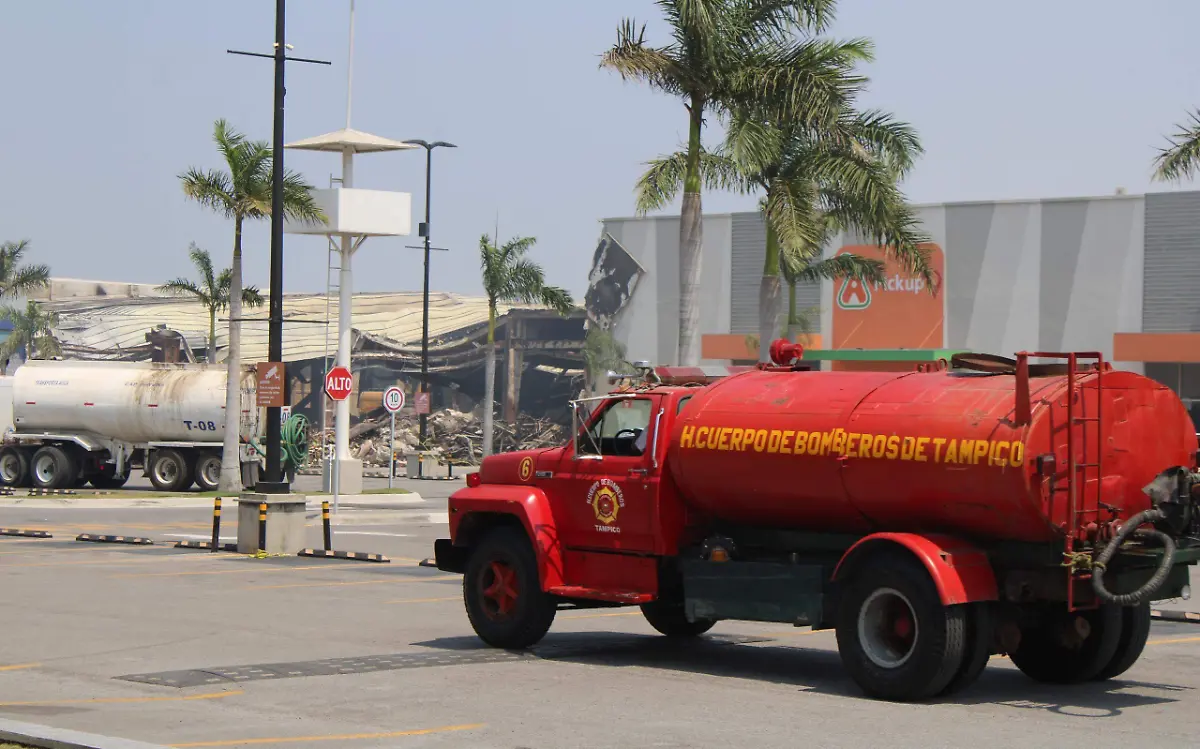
x: 75, y: 422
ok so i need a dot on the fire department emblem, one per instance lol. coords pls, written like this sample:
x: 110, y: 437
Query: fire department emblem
x: 525, y: 469
x: 606, y: 500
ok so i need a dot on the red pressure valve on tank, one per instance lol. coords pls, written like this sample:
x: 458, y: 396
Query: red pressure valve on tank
x: 784, y: 352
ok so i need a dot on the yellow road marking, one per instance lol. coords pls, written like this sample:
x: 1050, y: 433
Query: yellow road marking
x: 355, y: 582
x: 426, y: 600
x: 127, y: 700
x: 1169, y: 640
x: 342, y: 737
x: 92, y: 548
x: 249, y: 568
x: 118, y: 563
x: 19, y: 666
x: 597, y: 616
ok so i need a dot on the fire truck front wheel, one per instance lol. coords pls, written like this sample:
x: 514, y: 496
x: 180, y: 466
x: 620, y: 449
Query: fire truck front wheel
x: 503, y: 594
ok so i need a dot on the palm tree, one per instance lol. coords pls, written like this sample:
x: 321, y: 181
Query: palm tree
x: 242, y: 193
x: 212, y: 292
x: 815, y: 183
x: 17, y: 279
x: 1183, y: 157
x: 32, y: 328
x: 724, y: 53
x: 510, y: 276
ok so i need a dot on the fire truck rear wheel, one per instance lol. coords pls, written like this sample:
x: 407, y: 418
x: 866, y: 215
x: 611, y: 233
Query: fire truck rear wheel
x: 14, y: 467
x: 1135, y: 630
x: 670, y: 619
x: 1068, y: 648
x: 895, y: 637
x: 503, y: 593
x: 981, y: 631
x: 171, y: 471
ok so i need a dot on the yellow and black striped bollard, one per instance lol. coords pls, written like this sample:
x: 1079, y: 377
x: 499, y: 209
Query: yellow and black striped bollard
x: 262, y: 527
x: 325, y: 521
x: 216, y: 538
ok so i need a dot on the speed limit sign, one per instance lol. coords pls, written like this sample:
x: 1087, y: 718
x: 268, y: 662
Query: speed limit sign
x: 393, y: 399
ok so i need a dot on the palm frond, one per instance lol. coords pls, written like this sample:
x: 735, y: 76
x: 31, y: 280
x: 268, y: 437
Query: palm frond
x: 882, y: 136
x: 634, y: 60
x: 298, y: 202
x: 1181, y: 159
x: 24, y: 279
x: 203, y: 262
x: 838, y: 267
x: 810, y: 82
x: 184, y: 287
x: 211, y: 189
x: 790, y: 209
x: 661, y: 183
x: 252, y: 297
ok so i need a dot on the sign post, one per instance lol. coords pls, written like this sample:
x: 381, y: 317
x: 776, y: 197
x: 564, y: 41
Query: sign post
x: 393, y: 401
x: 339, y: 383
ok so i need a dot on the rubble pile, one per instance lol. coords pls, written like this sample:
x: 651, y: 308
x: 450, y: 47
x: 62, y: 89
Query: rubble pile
x: 455, y: 437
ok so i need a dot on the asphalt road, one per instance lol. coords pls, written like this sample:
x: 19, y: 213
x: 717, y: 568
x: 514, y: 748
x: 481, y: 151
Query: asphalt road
x: 195, y: 649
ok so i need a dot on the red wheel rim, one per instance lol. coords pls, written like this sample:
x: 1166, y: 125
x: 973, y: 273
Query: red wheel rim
x: 500, y: 589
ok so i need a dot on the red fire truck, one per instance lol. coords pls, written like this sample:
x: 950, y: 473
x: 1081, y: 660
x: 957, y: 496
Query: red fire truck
x: 1031, y: 506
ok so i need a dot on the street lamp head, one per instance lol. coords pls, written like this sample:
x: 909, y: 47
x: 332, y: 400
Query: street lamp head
x: 429, y: 146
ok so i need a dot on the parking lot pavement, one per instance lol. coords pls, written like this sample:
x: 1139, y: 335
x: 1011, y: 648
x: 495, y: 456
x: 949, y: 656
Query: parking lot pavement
x: 189, y: 648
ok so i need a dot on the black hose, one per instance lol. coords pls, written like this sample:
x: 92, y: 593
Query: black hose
x: 1160, y: 575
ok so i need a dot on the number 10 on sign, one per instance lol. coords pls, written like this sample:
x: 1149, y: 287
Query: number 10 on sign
x: 393, y: 401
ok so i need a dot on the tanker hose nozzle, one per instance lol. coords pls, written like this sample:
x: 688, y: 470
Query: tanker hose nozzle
x: 1129, y: 528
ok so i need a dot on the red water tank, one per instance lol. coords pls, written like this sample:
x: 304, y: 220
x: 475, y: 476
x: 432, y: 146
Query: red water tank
x: 943, y: 451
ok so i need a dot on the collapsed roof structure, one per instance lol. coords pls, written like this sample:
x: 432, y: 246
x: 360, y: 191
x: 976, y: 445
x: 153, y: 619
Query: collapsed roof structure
x: 540, y: 353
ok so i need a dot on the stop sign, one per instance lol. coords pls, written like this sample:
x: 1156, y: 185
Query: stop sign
x: 339, y: 383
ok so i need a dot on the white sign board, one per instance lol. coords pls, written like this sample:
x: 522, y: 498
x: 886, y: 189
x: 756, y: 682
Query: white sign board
x: 393, y: 399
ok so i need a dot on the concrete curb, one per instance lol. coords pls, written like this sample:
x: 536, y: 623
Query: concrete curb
x: 405, y: 501
x: 47, y: 737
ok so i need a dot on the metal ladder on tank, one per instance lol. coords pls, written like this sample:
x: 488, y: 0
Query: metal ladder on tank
x: 1080, y: 465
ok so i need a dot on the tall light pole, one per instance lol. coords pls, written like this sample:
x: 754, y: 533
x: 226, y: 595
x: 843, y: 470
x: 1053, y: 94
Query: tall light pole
x: 425, y: 298
x: 273, y: 481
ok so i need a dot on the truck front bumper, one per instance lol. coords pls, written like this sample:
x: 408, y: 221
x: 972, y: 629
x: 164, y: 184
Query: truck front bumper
x: 448, y: 557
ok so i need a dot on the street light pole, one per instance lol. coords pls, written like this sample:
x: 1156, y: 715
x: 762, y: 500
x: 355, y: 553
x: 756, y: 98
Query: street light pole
x: 425, y: 232
x: 273, y: 482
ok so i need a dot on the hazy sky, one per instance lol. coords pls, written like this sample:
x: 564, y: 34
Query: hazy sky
x: 106, y: 102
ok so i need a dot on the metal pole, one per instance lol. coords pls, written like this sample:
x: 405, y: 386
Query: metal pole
x: 425, y: 301
x: 392, y: 452
x: 341, y: 419
x: 336, y: 481
x: 273, y: 482
x: 262, y: 527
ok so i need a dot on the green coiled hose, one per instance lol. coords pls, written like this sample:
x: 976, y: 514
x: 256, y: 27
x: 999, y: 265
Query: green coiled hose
x: 294, y: 441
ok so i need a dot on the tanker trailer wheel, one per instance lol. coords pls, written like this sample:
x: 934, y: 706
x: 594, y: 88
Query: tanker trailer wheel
x: 53, y: 468
x: 208, y: 471
x: 670, y: 619
x: 1068, y: 648
x: 503, y: 593
x: 14, y: 467
x: 170, y: 471
x: 1135, y: 629
x: 895, y: 637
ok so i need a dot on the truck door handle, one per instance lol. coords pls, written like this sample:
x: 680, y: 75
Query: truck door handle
x: 636, y: 472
